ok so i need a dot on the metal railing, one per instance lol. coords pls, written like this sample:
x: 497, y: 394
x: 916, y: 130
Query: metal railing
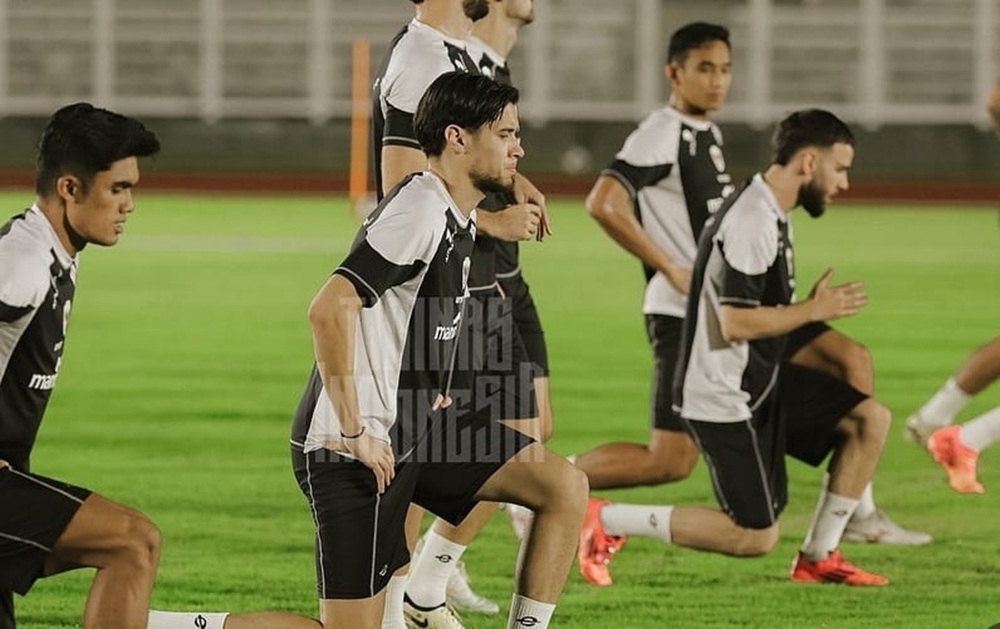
x: 875, y: 62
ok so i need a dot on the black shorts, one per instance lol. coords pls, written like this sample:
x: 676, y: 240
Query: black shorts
x: 6, y: 609
x: 360, y: 536
x: 503, y: 381
x: 802, y: 336
x: 664, y: 333
x: 747, y: 459
x: 35, y: 512
x: 527, y: 321
x: 814, y: 404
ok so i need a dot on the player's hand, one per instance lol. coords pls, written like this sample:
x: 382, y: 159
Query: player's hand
x: 441, y: 402
x: 680, y: 278
x: 526, y: 192
x: 516, y: 222
x: 375, y: 454
x: 835, y: 302
x: 3, y: 464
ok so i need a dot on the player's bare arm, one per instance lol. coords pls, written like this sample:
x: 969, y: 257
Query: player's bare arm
x: 610, y: 204
x: 398, y: 162
x: 333, y: 315
x: 825, y: 303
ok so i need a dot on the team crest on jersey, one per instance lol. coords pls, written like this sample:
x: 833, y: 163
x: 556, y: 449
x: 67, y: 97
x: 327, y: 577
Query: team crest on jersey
x: 717, y: 158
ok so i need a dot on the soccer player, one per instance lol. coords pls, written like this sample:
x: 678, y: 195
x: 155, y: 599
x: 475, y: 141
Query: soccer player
x: 86, y: 170
x: 435, y: 42
x: 436, y: 574
x: 372, y: 432
x: 653, y: 200
x: 731, y: 388
x: 957, y: 448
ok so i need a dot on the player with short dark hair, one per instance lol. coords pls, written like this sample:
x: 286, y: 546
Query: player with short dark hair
x: 380, y: 424
x: 87, y: 168
x: 653, y: 200
x: 733, y: 387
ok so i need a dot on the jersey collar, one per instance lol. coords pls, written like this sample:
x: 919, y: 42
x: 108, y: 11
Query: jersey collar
x: 772, y: 201
x: 434, y: 33
x: 36, y: 216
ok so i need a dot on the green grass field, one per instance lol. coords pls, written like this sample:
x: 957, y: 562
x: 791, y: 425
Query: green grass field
x: 190, y: 346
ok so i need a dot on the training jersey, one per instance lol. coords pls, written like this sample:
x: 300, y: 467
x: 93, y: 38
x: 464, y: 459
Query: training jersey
x: 37, y: 283
x: 417, y: 55
x: 410, y: 266
x: 505, y: 263
x: 745, y: 259
x: 673, y: 167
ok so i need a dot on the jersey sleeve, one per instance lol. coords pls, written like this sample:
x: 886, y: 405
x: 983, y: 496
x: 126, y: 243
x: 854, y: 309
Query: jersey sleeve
x: 22, y: 287
x: 648, y: 154
x: 397, y: 245
x: 749, y: 246
x: 410, y: 72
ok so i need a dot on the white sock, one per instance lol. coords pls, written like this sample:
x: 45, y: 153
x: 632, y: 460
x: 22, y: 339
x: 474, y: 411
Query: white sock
x: 642, y: 520
x: 428, y: 584
x: 983, y: 431
x: 392, y: 616
x: 831, y: 517
x: 941, y: 409
x: 186, y: 620
x: 866, y: 504
x: 525, y: 612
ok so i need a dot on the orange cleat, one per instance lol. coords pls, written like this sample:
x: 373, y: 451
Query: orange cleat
x: 958, y: 459
x: 597, y: 548
x: 833, y: 569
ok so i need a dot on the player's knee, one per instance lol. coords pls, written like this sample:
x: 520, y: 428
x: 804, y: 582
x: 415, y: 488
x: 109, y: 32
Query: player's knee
x: 141, y: 544
x: 671, y: 465
x: 569, y: 490
x: 857, y: 361
x: 877, y: 421
x: 754, y: 542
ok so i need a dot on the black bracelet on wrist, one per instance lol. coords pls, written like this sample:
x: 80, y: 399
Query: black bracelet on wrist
x: 343, y: 436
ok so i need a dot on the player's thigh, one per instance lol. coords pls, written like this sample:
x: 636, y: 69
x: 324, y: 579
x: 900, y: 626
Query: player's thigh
x: 360, y: 534
x: 458, y: 458
x: 536, y: 478
x: 363, y: 613
x: 36, y: 511
x: 100, y: 532
x: 746, y: 463
x: 816, y: 406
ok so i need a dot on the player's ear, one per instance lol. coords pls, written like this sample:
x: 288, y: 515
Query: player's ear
x: 68, y: 188
x: 455, y: 137
x: 670, y: 71
x: 807, y: 161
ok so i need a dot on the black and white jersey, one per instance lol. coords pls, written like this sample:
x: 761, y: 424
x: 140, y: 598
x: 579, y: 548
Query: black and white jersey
x: 494, y: 258
x: 417, y: 55
x: 37, y: 282
x: 410, y: 265
x: 744, y: 259
x: 673, y: 167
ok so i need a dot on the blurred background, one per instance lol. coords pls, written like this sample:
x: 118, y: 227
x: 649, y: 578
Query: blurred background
x: 264, y: 86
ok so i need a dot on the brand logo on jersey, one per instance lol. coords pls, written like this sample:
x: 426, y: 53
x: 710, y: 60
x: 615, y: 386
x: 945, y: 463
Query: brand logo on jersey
x: 45, y: 381
x: 450, y: 237
x: 66, y: 309
x: 716, y: 154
